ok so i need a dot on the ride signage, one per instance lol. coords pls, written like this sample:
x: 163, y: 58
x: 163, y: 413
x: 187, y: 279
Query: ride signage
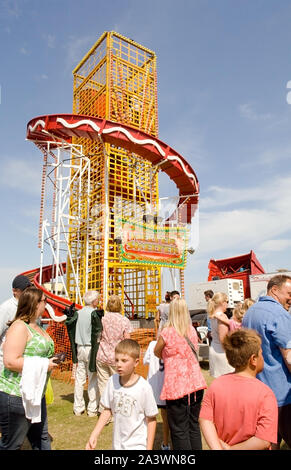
x: 152, y: 244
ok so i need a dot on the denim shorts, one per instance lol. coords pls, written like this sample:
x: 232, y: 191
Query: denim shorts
x: 15, y: 426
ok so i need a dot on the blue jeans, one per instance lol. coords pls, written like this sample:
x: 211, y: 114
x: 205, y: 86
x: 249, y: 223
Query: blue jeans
x: 15, y: 426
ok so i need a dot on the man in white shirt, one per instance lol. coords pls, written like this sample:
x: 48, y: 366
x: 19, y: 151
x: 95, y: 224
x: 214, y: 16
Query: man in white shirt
x: 83, y: 341
x: 9, y: 307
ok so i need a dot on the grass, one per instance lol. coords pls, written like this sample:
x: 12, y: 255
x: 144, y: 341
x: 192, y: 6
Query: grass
x: 70, y: 432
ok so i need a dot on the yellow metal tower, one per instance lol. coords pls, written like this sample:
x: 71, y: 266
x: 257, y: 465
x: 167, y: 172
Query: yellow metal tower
x: 116, y: 81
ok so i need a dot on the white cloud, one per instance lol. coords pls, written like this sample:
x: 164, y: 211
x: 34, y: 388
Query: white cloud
x: 276, y: 245
x: 21, y: 175
x: 240, y: 228
x: 41, y: 77
x: 270, y: 156
x: 6, y: 277
x: 189, y: 142
x: 30, y: 212
x: 260, y: 222
x: 222, y: 196
x: 234, y: 221
x: 267, y: 158
x: 76, y: 48
x: 24, y: 51
x: 50, y: 40
x: 275, y: 193
x: 10, y: 9
x: 248, y: 111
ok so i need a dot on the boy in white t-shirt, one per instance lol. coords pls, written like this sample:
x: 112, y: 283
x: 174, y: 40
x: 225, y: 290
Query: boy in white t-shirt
x: 129, y: 398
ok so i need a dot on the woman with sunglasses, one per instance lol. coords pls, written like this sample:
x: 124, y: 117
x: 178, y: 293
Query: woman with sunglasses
x: 25, y: 338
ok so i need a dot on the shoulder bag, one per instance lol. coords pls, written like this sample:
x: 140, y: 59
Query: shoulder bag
x: 192, y: 347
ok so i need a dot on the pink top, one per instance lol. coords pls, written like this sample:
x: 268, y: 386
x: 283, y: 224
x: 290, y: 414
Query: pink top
x: 241, y: 407
x: 182, y: 371
x: 115, y: 326
x: 234, y: 325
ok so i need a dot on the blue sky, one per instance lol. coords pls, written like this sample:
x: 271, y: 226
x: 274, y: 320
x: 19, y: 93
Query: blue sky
x: 223, y: 69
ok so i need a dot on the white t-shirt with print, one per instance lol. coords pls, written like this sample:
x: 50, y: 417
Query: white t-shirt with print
x: 130, y: 406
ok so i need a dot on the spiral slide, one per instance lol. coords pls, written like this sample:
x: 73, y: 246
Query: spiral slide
x: 63, y: 127
x: 55, y: 304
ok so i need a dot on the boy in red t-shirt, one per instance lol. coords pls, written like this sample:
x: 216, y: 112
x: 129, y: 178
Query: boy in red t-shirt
x: 239, y: 412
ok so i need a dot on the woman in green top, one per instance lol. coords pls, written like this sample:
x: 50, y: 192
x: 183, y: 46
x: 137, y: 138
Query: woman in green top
x: 24, y: 338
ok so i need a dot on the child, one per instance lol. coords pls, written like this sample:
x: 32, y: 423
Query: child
x: 236, y: 319
x: 130, y: 400
x: 235, y: 322
x: 239, y: 411
x: 156, y: 380
x: 238, y: 314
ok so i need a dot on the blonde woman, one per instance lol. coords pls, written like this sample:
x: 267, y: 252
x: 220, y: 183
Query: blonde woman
x: 216, y: 307
x: 116, y: 327
x: 183, y: 383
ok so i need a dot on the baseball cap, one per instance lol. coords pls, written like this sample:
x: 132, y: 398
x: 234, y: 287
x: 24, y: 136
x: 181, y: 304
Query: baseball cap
x: 21, y: 282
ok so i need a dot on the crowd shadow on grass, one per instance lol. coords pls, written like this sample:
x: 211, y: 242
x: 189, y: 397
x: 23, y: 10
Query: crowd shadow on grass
x: 69, y: 397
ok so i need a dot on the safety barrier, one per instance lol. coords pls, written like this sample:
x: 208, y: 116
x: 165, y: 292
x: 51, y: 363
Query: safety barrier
x: 65, y: 371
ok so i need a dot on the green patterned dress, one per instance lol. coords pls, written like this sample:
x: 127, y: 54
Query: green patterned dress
x: 37, y: 345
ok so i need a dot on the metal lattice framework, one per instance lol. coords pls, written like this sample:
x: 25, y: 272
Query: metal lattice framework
x: 116, y: 80
x: 66, y: 171
x: 102, y: 161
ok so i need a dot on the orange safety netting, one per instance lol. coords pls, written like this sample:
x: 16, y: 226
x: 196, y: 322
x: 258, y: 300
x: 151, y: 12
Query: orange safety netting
x: 65, y: 371
x: 143, y: 336
x: 59, y: 334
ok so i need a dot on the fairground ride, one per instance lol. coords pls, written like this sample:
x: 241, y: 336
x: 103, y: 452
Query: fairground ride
x: 100, y: 223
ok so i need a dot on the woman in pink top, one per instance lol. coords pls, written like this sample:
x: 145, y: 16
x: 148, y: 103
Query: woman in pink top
x: 184, y: 383
x: 116, y: 327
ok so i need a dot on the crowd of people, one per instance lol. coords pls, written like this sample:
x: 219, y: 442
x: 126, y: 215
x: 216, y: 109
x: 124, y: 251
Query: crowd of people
x: 247, y: 406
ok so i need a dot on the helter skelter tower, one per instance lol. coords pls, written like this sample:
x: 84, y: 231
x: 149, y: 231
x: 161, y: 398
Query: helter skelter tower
x: 102, y: 162
x: 116, y: 81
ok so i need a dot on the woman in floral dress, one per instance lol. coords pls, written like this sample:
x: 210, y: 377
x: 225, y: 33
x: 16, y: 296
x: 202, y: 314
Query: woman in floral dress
x: 184, y: 383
